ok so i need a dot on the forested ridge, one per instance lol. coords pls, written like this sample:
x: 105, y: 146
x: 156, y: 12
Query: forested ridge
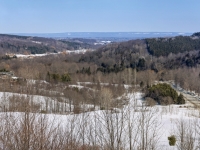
x: 39, y: 45
x: 154, y: 46
x: 165, y: 46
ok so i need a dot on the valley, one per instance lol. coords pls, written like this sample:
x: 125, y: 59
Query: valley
x: 76, y: 95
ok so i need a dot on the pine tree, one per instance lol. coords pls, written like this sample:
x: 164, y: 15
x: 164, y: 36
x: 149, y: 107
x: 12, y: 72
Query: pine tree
x: 180, y: 99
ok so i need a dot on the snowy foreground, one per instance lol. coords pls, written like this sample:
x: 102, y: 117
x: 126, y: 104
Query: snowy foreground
x: 135, y: 125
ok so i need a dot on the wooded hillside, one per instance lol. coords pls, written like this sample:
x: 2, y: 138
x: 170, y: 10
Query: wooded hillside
x: 38, y: 45
x: 165, y: 46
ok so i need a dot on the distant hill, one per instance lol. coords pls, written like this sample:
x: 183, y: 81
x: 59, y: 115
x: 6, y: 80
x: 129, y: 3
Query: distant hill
x: 107, y: 35
x: 196, y: 34
x: 114, y: 57
x: 178, y: 44
x: 39, y: 45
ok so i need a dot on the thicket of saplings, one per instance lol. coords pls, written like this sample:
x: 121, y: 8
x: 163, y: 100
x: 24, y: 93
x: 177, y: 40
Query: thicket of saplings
x: 62, y: 98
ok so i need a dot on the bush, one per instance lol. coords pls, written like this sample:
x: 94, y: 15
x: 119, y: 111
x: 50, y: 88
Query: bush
x: 166, y: 100
x: 172, y: 140
x: 150, y: 102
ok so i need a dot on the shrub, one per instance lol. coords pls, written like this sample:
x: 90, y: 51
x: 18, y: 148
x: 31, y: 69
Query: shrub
x: 172, y: 140
x: 150, y: 101
x: 165, y: 100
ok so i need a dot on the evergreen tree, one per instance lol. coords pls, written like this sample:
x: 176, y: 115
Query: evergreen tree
x: 180, y: 99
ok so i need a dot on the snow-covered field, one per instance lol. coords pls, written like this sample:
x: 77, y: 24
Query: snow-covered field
x: 135, y: 124
x: 78, y: 51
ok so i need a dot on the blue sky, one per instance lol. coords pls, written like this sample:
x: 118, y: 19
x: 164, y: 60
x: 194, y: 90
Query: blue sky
x: 56, y: 16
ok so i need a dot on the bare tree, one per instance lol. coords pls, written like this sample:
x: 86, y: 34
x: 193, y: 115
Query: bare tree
x: 185, y: 134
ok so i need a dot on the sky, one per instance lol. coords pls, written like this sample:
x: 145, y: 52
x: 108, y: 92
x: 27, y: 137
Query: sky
x: 58, y: 16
